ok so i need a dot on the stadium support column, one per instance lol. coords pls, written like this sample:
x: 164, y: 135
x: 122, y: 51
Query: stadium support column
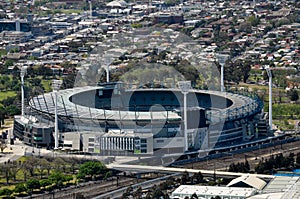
x: 270, y: 97
x: 55, y: 86
x: 22, y: 75
x: 185, y: 86
x: 222, y: 58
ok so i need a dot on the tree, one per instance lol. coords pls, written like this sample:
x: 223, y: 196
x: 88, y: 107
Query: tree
x: 6, y: 192
x: 5, y: 170
x: 197, y: 177
x: 247, y: 166
x: 14, y: 167
x: 157, y: 193
x: 12, y: 110
x: 137, y: 193
x: 171, y: 2
x: 30, y: 165
x: 8, y: 63
x: 107, y: 175
x: 3, y: 144
x: 253, y: 20
x: 298, y: 158
x: 57, y: 178
x: 293, y: 94
x: 91, y: 168
x: 194, y: 196
x: 45, y: 182
x: 2, y: 114
x: 19, y: 188
x: 185, y: 177
x: 32, y: 184
x: 42, y: 164
x: 59, y: 164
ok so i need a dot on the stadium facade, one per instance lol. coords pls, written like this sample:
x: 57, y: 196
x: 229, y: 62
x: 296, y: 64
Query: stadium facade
x: 112, y: 119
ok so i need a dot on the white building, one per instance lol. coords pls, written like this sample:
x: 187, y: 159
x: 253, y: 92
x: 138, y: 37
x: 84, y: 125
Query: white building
x: 207, y: 192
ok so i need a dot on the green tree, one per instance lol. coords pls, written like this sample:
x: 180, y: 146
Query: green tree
x: 57, y: 178
x: 293, y: 94
x: 3, y: 113
x: 91, y: 169
x: 33, y: 184
x: 253, y: 20
x: 3, y: 144
x: 8, y: 63
x: 157, y: 192
x: 171, y: 2
x: 12, y: 110
x: 19, y: 188
x: 197, y: 177
x: 6, y: 192
x: 185, y: 177
x: 45, y: 182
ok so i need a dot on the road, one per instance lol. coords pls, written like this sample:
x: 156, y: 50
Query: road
x: 142, y: 168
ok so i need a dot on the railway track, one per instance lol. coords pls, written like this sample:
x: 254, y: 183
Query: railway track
x: 94, y: 188
x: 252, y: 157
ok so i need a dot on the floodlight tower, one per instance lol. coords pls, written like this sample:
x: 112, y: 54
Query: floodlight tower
x: 22, y: 75
x: 55, y: 86
x: 222, y: 58
x: 270, y: 97
x: 91, y: 8
x: 107, y: 61
x: 185, y: 86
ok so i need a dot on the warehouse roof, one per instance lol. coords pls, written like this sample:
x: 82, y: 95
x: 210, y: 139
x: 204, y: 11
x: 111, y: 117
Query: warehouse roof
x: 247, y: 181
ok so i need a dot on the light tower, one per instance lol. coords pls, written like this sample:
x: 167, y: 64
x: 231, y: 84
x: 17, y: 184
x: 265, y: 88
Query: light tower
x: 22, y: 75
x: 270, y: 97
x: 222, y: 58
x: 107, y: 61
x: 55, y: 86
x: 91, y: 8
x: 185, y: 86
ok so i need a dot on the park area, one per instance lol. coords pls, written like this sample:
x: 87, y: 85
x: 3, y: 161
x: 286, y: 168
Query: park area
x: 37, y: 175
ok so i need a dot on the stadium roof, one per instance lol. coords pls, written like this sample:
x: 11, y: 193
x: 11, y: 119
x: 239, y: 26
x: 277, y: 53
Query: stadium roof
x: 241, y: 105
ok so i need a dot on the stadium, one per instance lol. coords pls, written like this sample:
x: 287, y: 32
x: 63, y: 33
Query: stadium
x: 118, y: 119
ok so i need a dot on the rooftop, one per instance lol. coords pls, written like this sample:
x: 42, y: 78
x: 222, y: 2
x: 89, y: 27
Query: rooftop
x: 247, y: 180
x: 204, y: 191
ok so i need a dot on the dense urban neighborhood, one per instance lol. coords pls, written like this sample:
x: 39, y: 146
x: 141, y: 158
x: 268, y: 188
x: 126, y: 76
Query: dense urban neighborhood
x: 149, y: 99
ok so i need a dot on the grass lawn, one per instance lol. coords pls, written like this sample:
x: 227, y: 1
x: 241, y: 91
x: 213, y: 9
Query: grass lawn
x: 47, y: 85
x: 6, y: 94
x: 70, y: 11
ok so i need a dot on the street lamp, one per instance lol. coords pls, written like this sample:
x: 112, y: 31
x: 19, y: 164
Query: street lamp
x: 185, y: 86
x: 22, y: 75
x: 222, y: 58
x: 270, y: 96
x: 55, y: 86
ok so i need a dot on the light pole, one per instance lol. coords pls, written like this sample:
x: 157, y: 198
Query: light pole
x: 222, y: 58
x: 270, y: 96
x: 185, y: 86
x: 55, y: 86
x: 22, y: 75
x: 107, y: 61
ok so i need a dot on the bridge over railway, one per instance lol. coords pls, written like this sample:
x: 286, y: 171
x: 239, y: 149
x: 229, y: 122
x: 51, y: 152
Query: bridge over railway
x: 142, y: 168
